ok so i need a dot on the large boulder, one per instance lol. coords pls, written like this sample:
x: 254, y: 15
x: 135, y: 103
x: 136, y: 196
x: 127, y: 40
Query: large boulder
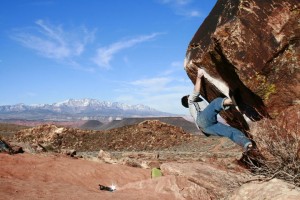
x: 274, y: 189
x: 215, y: 180
x: 249, y: 50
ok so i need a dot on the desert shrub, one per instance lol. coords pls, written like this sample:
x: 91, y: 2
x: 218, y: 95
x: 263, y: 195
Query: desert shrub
x: 279, y: 144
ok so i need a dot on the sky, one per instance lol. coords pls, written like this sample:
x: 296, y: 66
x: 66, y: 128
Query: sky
x: 127, y: 51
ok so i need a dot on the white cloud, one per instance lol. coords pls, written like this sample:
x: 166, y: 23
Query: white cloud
x: 176, y: 2
x: 195, y: 13
x: 53, y: 41
x: 151, y: 86
x: 152, y: 82
x: 177, y: 64
x: 182, y: 7
x: 105, y: 54
x: 162, y: 93
x: 190, y: 13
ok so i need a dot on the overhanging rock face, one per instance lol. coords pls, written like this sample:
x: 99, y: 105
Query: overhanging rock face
x: 250, y: 52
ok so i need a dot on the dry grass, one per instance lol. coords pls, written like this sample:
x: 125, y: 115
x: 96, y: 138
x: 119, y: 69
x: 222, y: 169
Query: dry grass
x: 279, y: 143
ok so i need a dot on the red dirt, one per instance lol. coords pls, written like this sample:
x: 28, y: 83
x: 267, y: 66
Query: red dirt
x: 26, y: 176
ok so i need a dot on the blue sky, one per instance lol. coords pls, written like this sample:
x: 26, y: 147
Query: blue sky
x: 129, y: 51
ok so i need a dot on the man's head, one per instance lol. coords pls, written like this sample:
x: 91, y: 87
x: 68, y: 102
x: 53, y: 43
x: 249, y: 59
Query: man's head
x: 184, y: 101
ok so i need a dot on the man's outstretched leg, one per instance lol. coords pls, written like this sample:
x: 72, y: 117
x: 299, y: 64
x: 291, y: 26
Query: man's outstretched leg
x: 207, y: 120
x: 234, y: 134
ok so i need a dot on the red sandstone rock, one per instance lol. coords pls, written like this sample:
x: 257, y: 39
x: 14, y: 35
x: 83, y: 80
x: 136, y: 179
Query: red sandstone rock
x: 274, y: 189
x: 147, y: 135
x: 215, y: 180
x: 250, y: 51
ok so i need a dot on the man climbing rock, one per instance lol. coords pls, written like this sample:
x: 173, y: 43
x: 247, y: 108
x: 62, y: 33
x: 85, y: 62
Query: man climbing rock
x: 205, y: 115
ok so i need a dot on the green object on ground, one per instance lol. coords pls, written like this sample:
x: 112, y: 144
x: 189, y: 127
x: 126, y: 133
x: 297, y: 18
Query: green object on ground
x: 156, y: 172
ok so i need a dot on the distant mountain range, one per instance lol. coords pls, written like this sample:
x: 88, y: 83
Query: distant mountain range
x: 77, y: 109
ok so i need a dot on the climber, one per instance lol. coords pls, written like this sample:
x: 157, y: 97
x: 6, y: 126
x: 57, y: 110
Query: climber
x: 205, y: 115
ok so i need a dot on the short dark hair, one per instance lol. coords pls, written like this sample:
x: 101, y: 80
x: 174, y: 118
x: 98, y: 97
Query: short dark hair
x: 184, y: 101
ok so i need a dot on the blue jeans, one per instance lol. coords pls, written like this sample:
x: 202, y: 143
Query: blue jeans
x: 207, y: 121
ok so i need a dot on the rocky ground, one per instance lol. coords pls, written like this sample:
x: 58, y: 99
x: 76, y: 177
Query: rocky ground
x: 66, y: 163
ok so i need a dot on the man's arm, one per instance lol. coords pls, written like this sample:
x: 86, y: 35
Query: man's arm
x: 197, y: 87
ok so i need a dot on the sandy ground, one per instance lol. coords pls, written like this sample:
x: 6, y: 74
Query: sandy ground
x: 27, y: 176
x: 57, y: 176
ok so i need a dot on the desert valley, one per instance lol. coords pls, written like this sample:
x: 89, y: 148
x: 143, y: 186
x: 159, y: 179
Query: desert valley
x: 246, y: 51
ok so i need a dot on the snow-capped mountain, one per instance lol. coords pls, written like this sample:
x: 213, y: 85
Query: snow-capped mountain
x: 76, y: 109
x: 93, y: 103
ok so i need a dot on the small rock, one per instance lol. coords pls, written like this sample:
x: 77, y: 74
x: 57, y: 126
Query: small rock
x: 69, y: 152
